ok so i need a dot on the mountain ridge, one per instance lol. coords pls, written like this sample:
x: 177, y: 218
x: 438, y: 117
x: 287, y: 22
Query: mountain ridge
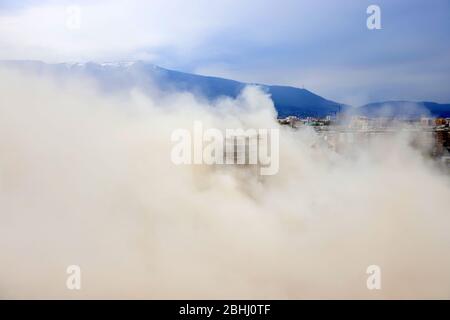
x: 288, y: 100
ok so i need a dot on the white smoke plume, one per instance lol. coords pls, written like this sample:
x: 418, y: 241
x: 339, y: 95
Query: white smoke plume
x: 87, y: 179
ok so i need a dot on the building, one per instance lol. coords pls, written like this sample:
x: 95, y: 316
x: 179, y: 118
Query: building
x: 427, y: 122
x: 359, y: 123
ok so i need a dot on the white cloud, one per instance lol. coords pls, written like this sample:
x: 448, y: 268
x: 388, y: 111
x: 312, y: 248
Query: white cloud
x: 108, y: 30
x: 111, y: 29
x: 323, y: 45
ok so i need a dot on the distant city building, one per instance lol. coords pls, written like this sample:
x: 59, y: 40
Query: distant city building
x: 441, y: 122
x: 427, y: 122
x: 292, y: 121
x: 359, y: 123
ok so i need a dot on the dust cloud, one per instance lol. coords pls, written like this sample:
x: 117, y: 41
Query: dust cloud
x: 86, y: 179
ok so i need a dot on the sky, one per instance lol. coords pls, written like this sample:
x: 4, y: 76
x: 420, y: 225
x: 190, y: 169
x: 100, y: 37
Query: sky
x: 322, y: 45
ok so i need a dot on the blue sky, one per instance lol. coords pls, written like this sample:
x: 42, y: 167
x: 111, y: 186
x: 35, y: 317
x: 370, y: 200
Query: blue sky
x: 324, y: 46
